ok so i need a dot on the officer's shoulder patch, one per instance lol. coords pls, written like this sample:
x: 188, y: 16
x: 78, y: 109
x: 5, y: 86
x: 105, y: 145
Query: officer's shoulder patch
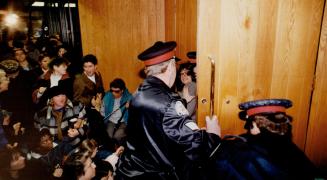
x: 192, y: 125
x: 180, y: 109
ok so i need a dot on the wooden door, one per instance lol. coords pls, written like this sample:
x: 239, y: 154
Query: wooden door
x: 261, y: 49
x: 316, y: 145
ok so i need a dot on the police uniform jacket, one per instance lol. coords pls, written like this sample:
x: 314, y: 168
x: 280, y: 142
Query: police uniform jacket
x: 163, y: 142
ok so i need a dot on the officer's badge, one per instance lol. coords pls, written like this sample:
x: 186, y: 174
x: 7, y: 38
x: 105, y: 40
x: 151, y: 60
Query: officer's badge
x: 180, y: 109
x: 192, y: 125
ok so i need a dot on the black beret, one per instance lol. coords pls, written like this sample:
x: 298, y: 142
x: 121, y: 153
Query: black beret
x: 159, y: 52
x: 192, y: 56
x: 265, y: 106
x: 9, y: 66
x: 55, y: 91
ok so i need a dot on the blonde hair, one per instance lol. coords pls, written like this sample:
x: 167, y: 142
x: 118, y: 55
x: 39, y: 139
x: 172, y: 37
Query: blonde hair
x: 157, y: 68
x: 88, y: 145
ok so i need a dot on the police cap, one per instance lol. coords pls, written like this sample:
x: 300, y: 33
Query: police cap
x: 158, y: 53
x: 265, y: 106
x: 192, y: 56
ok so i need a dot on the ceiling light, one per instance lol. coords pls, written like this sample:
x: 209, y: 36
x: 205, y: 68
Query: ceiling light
x: 38, y: 4
x: 11, y: 19
x: 70, y: 5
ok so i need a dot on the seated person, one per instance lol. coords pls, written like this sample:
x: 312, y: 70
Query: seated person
x: 104, y: 171
x: 91, y: 146
x: 79, y: 166
x: 42, y: 143
x: 61, y: 117
x: 4, y: 83
x: 114, y: 108
x: 270, y: 133
x: 49, y: 153
x: 13, y: 165
x: 13, y: 133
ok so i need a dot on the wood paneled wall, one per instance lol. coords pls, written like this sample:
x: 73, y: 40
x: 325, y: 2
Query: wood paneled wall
x: 262, y: 49
x: 181, y: 24
x: 117, y: 31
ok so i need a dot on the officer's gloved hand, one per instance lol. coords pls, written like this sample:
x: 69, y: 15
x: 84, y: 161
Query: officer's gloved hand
x: 213, y: 125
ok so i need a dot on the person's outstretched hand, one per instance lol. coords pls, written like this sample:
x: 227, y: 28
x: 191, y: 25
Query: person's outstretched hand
x: 213, y: 125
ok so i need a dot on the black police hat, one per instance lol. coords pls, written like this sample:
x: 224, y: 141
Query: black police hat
x: 192, y: 56
x: 265, y: 106
x: 159, y: 52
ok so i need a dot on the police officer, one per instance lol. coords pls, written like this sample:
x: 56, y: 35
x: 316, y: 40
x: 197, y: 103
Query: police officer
x: 192, y: 59
x: 270, y: 133
x: 163, y: 142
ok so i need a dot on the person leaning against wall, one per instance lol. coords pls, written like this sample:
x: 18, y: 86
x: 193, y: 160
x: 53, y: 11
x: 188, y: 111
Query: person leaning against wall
x: 114, y: 108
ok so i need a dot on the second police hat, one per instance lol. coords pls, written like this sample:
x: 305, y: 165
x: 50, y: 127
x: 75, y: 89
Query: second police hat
x: 265, y: 106
x: 158, y: 53
x: 192, y: 56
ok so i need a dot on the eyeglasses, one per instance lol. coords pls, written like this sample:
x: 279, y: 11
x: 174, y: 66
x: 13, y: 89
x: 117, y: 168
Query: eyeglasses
x: 115, y: 91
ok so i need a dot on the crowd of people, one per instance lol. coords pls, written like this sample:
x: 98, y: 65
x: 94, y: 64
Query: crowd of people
x: 56, y: 124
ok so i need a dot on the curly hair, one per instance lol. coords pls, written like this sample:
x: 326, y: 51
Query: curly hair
x: 276, y: 123
x: 189, y: 68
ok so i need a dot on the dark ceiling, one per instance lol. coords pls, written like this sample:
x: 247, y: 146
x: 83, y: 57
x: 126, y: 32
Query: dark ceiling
x: 15, y: 5
x: 25, y: 5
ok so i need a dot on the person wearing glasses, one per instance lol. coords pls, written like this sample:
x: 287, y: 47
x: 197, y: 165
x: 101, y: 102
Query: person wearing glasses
x: 114, y: 109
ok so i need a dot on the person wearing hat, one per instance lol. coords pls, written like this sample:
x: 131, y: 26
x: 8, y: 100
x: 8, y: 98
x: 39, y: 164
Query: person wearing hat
x: 163, y: 142
x: 192, y: 59
x: 17, y: 99
x: 269, y: 131
x: 57, y: 74
x: 61, y: 117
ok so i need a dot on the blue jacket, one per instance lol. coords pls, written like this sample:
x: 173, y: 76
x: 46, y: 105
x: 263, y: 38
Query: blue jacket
x: 108, y: 101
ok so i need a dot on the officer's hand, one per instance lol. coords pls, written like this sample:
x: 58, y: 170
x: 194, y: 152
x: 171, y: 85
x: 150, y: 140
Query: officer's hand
x: 213, y: 125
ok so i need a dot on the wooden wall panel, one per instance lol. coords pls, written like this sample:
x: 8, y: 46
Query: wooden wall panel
x: 316, y: 146
x: 117, y: 31
x: 181, y: 25
x: 262, y: 49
